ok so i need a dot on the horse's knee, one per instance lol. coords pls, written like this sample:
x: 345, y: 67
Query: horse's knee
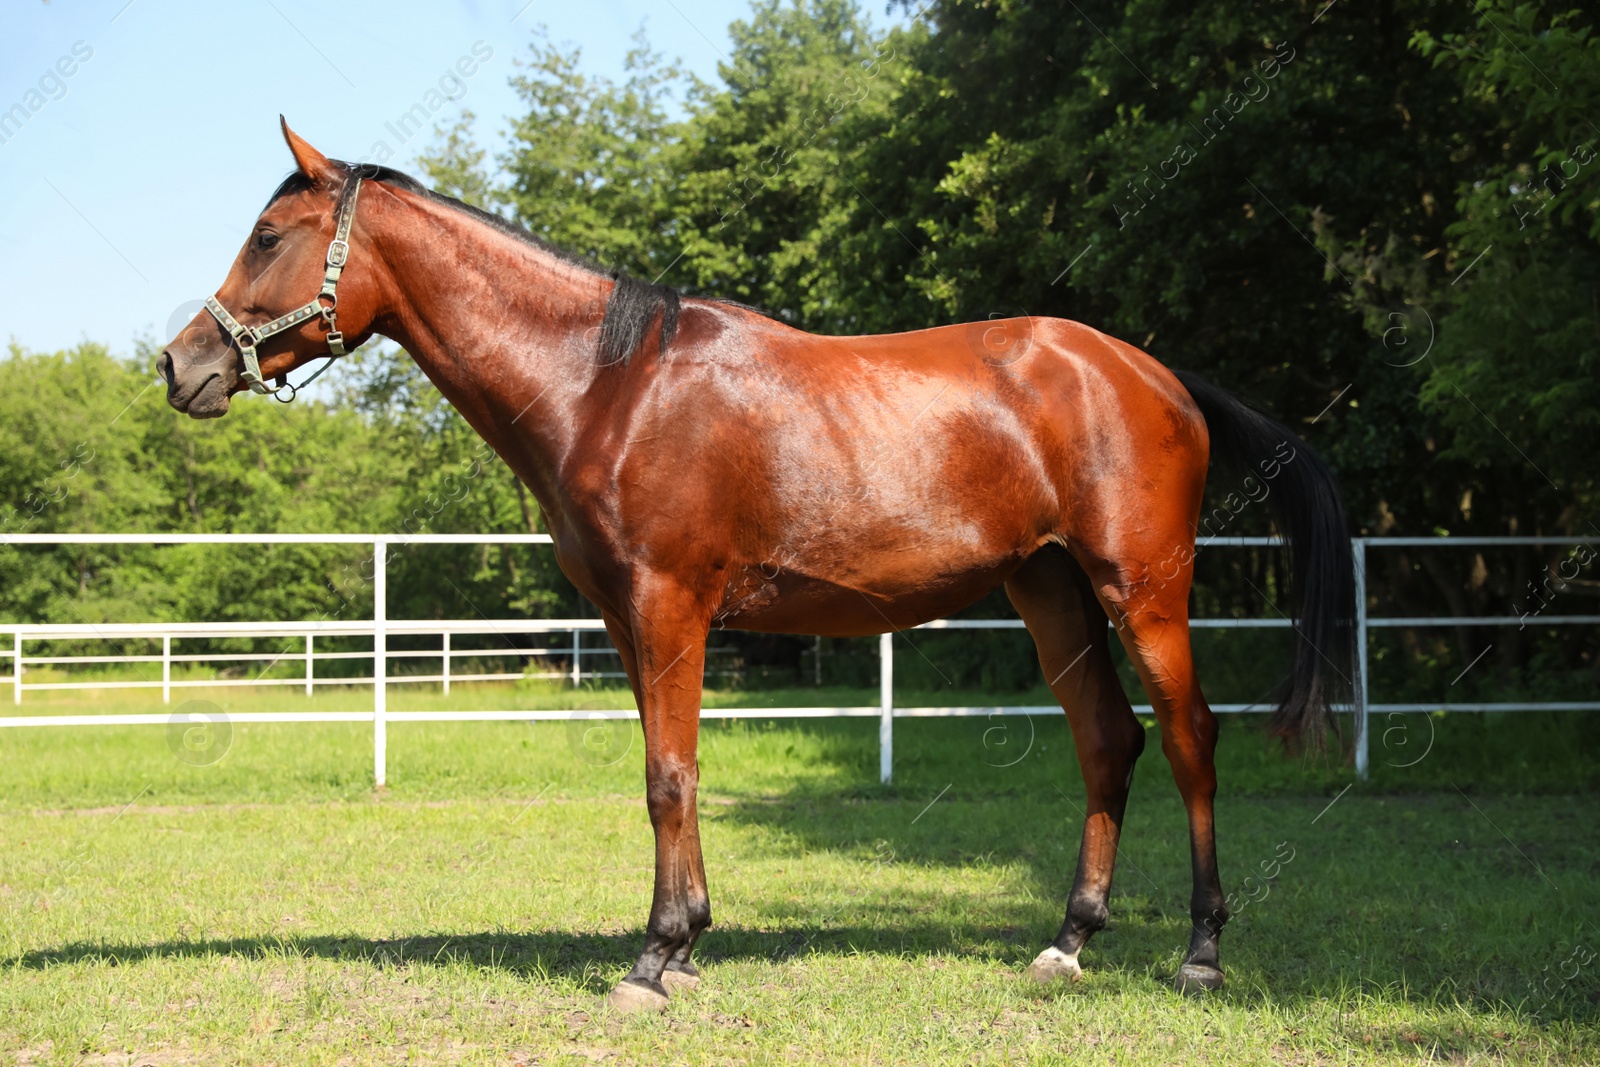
x: 669, y: 789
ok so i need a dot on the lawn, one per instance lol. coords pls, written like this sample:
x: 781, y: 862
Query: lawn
x: 270, y: 908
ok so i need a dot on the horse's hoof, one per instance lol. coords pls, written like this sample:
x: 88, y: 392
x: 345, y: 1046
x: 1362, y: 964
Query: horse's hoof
x: 1196, y: 978
x: 675, y: 981
x: 1052, y: 964
x: 631, y: 996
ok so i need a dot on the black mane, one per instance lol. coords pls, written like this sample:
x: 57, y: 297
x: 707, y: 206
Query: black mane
x: 632, y: 307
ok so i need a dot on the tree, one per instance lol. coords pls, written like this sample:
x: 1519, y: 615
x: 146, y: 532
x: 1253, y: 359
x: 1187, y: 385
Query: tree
x: 764, y: 168
x: 588, y: 166
x: 1515, y: 368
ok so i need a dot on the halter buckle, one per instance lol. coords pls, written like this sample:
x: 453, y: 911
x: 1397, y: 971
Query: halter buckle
x: 338, y: 252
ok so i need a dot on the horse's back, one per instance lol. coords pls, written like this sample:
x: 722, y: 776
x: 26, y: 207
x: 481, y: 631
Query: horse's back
x: 885, y: 480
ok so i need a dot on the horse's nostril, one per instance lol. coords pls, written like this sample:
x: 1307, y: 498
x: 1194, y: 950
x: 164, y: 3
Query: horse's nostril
x: 164, y: 366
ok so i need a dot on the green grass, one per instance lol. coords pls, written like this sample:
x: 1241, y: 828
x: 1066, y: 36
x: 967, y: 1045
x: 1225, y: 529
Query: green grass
x: 270, y: 908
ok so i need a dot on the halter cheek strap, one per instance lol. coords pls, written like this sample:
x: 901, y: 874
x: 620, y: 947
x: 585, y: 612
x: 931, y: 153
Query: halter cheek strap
x: 248, y: 337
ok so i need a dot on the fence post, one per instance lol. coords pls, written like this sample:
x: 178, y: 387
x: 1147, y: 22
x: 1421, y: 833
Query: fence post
x: 166, y: 668
x: 16, y: 670
x: 886, y: 708
x: 380, y: 662
x: 1359, y: 545
x: 577, y: 651
x: 310, y: 664
x: 446, y: 671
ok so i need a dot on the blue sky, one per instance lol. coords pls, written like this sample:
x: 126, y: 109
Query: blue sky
x: 128, y: 184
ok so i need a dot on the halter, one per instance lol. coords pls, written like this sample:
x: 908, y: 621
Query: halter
x: 247, y: 337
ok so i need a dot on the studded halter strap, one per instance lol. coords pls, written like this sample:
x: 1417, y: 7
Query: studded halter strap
x: 247, y: 337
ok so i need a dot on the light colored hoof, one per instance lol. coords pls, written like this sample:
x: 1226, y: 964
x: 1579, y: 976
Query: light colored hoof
x: 1196, y: 978
x: 679, y: 981
x: 630, y: 997
x: 1053, y: 964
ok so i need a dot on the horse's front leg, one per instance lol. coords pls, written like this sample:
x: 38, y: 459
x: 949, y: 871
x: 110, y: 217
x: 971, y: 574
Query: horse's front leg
x: 666, y: 637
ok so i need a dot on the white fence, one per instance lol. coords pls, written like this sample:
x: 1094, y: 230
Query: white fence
x: 381, y: 627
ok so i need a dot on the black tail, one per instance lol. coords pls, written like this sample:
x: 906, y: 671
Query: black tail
x: 1304, y: 500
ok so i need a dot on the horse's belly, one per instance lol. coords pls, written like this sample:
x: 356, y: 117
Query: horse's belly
x: 775, y: 601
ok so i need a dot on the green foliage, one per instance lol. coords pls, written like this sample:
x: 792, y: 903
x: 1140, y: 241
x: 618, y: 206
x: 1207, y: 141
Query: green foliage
x: 1517, y: 356
x: 86, y: 445
x: 589, y: 165
x: 766, y: 164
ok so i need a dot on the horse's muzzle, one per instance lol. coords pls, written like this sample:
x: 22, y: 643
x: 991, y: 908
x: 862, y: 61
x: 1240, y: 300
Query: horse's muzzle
x: 208, y: 400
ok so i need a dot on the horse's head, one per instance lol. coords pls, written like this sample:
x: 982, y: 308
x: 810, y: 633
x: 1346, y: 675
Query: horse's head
x: 275, y: 311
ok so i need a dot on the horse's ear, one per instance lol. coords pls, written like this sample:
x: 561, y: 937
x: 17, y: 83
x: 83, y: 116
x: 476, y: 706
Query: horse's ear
x: 313, y: 164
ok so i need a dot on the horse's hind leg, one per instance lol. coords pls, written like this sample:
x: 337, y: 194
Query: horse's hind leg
x: 1153, y: 624
x: 1068, y: 625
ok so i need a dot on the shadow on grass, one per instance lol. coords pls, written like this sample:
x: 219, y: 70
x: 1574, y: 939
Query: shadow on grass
x: 1415, y: 899
x: 592, y: 961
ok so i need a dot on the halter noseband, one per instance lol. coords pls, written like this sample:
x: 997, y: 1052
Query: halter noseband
x: 247, y: 337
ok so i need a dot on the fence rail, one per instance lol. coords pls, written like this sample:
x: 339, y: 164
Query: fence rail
x: 380, y: 628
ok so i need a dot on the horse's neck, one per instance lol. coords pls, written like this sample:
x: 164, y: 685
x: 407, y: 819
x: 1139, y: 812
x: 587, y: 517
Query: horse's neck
x: 505, y: 330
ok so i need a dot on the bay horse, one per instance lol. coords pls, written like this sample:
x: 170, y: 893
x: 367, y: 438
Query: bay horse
x: 701, y: 465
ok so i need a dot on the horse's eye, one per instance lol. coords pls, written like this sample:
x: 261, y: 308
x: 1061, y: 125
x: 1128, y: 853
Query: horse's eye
x: 266, y: 240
